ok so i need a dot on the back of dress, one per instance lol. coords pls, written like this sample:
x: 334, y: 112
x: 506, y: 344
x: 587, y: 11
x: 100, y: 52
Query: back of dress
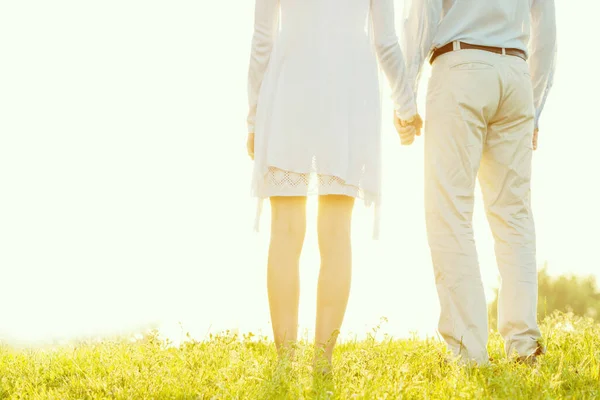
x: 319, y: 39
x: 314, y: 94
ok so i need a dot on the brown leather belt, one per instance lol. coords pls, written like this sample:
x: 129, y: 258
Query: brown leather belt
x: 466, y: 46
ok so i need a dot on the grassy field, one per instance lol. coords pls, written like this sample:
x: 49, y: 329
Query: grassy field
x: 232, y: 367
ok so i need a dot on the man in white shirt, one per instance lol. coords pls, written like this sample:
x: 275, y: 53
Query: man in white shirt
x: 484, y: 102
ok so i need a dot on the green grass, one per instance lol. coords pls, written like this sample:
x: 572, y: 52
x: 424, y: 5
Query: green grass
x: 232, y: 367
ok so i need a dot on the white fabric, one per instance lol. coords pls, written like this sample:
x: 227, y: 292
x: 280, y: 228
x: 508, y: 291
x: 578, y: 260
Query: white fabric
x: 314, y: 89
x: 286, y: 183
x: 329, y: 33
x: 472, y: 131
x: 529, y: 25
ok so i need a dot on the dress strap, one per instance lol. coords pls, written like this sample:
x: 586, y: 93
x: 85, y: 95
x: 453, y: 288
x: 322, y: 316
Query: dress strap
x: 259, y: 206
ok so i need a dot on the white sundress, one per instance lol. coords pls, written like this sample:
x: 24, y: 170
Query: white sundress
x: 315, y: 99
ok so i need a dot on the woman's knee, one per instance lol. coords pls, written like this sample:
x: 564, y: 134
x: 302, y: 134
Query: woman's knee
x: 335, y: 217
x: 288, y: 218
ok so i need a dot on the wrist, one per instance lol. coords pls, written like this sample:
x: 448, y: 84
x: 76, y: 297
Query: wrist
x: 406, y: 114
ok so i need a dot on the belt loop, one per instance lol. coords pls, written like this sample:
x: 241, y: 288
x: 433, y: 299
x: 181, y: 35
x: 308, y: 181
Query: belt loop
x: 503, y: 51
x: 455, y: 45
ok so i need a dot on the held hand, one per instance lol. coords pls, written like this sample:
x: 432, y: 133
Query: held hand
x: 250, y: 145
x: 535, y: 138
x: 407, y: 130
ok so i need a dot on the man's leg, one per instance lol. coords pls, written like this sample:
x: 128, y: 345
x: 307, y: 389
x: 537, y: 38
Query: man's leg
x: 505, y: 177
x: 457, y: 104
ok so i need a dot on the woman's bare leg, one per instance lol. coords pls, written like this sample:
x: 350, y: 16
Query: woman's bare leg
x: 288, y: 227
x: 334, y: 226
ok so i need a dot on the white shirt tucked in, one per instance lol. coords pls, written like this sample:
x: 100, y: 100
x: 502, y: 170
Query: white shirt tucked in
x: 528, y: 25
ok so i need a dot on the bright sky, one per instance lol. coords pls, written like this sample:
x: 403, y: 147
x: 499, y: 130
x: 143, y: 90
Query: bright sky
x: 124, y: 182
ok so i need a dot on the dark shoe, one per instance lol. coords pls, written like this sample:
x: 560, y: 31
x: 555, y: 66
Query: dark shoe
x: 532, y: 359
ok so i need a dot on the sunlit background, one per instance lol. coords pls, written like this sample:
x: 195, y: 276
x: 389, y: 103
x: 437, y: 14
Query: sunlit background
x: 124, y: 182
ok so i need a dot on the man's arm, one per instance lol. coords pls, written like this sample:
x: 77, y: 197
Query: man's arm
x: 542, y: 52
x: 421, y: 20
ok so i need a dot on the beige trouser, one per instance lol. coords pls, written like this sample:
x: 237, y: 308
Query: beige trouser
x: 480, y: 120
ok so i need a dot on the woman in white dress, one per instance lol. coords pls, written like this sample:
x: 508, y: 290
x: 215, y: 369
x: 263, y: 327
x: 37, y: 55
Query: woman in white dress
x: 314, y: 128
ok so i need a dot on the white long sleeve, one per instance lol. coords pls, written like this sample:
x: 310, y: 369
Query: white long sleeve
x: 421, y: 20
x: 542, y: 52
x: 391, y: 59
x: 266, y: 25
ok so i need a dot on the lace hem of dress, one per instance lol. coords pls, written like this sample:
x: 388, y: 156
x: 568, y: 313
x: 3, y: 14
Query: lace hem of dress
x: 279, y: 182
